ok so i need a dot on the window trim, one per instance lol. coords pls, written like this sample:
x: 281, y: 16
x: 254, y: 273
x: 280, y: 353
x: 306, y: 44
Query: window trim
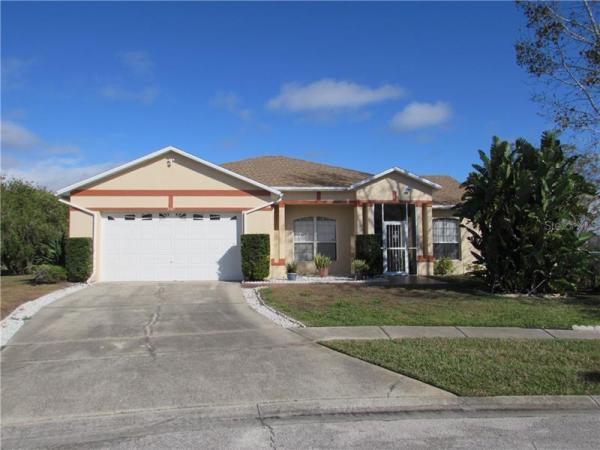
x: 315, y: 242
x: 458, y: 235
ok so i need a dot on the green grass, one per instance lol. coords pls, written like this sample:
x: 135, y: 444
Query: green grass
x: 347, y: 305
x: 488, y: 367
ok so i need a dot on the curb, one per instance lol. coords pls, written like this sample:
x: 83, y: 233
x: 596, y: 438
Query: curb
x: 15, y: 320
x: 266, y: 311
x: 281, y: 410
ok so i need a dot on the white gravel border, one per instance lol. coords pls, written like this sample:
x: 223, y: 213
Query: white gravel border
x: 252, y: 297
x: 11, y: 324
x: 303, y: 279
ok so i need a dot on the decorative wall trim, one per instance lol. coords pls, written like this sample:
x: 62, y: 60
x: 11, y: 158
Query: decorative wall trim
x: 357, y: 202
x: 278, y: 262
x: 173, y: 192
x: 425, y: 258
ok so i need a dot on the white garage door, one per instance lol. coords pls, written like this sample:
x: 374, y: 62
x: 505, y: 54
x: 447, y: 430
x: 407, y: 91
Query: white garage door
x: 170, y: 246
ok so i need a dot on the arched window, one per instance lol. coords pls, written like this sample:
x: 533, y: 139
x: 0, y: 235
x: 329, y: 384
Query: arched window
x: 446, y: 238
x: 314, y: 235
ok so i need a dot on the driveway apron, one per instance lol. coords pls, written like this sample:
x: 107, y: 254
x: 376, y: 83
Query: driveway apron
x: 127, y: 347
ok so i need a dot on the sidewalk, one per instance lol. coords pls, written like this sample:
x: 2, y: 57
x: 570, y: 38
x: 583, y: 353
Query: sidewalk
x: 400, y: 332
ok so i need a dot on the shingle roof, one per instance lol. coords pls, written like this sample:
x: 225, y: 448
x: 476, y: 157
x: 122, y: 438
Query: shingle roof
x: 451, y: 192
x: 283, y: 171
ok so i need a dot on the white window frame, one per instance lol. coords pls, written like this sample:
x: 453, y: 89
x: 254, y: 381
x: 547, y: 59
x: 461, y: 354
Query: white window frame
x: 445, y: 241
x: 314, y: 242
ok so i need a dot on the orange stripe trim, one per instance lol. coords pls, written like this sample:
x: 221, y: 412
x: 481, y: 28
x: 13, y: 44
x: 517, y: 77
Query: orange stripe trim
x: 425, y: 258
x: 174, y: 192
x: 196, y: 209
x: 277, y: 262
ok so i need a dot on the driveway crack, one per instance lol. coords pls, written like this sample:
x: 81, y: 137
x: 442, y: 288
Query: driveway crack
x: 148, y: 326
x: 268, y: 427
x: 392, y: 387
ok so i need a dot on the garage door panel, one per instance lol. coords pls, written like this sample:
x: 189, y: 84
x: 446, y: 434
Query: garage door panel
x: 170, y: 246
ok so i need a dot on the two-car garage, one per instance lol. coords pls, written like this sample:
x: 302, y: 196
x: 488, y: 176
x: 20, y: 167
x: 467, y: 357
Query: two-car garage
x: 166, y: 246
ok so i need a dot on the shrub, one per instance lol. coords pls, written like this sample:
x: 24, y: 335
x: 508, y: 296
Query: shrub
x: 322, y: 261
x: 48, y: 273
x: 368, y: 248
x: 78, y: 259
x: 443, y: 266
x: 360, y: 267
x: 291, y: 267
x: 255, y: 256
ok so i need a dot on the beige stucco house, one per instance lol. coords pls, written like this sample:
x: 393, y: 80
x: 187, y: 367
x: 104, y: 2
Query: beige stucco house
x: 173, y: 216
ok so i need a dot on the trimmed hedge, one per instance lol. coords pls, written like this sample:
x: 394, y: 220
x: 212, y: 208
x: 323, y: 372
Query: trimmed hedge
x: 48, y: 274
x: 368, y: 248
x: 78, y: 258
x: 255, y: 256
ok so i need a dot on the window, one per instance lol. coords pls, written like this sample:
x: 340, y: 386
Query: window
x: 314, y: 235
x: 198, y: 217
x: 146, y: 216
x: 215, y: 217
x: 446, y: 238
x: 163, y: 215
x: 181, y: 215
x: 129, y: 216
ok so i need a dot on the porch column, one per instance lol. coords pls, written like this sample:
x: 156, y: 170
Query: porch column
x: 281, y: 232
x: 357, y: 228
x: 368, y: 219
x: 427, y: 257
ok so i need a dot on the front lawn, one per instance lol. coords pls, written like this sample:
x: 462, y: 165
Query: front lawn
x: 18, y: 289
x: 488, y: 367
x: 347, y: 305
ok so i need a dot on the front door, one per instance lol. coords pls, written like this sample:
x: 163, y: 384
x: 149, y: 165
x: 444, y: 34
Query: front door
x: 395, y: 254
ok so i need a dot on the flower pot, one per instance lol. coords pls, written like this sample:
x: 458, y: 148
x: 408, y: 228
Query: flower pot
x: 324, y: 271
x: 292, y: 276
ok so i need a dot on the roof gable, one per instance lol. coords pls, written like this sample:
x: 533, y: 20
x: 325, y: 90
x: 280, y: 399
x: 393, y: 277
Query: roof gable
x: 149, y: 157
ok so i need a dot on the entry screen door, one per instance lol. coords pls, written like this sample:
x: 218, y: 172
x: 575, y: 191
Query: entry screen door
x: 395, y: 253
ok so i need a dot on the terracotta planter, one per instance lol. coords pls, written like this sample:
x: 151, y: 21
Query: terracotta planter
x: 323, y: 272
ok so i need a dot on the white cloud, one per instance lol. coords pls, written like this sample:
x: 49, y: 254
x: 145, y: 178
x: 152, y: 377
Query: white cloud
x: 145, y: 96
x: 229, y: 101
x: 418, y: 115
x: 55, y: 173
x: 138, y: 62
x: 330, y: 95
x: 15, y: 136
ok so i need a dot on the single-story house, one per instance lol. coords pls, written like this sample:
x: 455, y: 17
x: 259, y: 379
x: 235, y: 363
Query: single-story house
x: 173, y: 216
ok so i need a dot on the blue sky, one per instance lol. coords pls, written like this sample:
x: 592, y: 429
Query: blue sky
x: 86, y: 86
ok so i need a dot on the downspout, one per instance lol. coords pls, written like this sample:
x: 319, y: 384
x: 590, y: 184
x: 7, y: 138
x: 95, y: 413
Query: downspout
x: 95, y: 230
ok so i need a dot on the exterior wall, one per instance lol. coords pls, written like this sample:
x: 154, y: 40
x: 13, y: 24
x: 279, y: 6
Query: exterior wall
x: 344, y: 217
x: 466, y: 248
x: 80, y: 224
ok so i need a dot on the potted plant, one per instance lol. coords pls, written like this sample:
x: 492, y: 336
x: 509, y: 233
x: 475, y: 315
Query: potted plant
x: 291, y: 269
x: 360, y: 267
x: 322, y: 264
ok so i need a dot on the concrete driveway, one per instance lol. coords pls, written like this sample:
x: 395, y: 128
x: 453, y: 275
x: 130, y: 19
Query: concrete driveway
x: 118, y: 348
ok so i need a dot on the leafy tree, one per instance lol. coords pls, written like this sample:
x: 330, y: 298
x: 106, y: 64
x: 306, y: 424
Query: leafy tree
x: 525, y: 204
x: 34, y: 225
x: 562, y: 49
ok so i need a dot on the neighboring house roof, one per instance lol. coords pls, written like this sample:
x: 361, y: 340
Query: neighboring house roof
x: 123, y: 167
x: 282, y: 171
x: 451, y: 192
